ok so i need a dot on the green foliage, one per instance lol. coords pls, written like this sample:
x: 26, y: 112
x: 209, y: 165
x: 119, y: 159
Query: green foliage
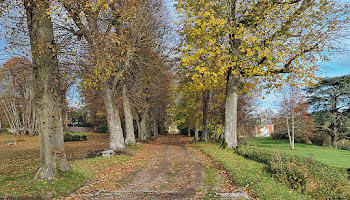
x: 304, y: 175
x: 249, y: 174
x: 4, y: 130
x: 76, y: 137
x: 103, y: 128
x: 84, y: 137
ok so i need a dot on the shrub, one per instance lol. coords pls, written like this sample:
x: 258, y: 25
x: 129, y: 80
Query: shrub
x: 4, y: 131
x: 67, y: 137
x: 103, y: 128
x: 318, y: 138
x: 279, y: 135
x: 75, y: 137
x: 302, y: 174
x: 83, y: 137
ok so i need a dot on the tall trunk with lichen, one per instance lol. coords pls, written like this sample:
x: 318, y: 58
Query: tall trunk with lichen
x: 129, y: 125
x: 116, y: 138
x: 206, y: 101
x: 231, y: 110
x: 47, y: 95
x: 144, y: 125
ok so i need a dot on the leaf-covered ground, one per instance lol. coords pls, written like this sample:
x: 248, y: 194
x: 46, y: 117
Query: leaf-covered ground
x: 167, y: 168
x: 19, y: 163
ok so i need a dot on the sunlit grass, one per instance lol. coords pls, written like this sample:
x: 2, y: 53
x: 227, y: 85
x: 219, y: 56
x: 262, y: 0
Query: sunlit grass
x: 329, y: 156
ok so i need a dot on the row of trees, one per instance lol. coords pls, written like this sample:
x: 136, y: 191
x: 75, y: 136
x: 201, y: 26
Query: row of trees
x: 236, y: 47
x: 117, y: 51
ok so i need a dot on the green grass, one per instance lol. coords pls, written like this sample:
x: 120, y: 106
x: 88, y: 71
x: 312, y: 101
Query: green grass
x: 250, y: 174
x: 329, y: 156
x: 20, y: 162
x: 22, y: 186
x: 212, y: 178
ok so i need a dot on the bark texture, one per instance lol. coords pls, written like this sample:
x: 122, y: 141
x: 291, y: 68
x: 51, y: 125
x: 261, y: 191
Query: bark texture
x: 129, y: 125
x: 144, y: 125
x: 231, y: 110
x: 196, y: 132
x: 116, y: 138
x: 206, y: 101
x: 47, y: 97
x: 155, y: 126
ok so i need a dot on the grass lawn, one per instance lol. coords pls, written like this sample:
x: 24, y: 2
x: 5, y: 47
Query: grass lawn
x: 19, y: 163
x: 329, y: 156
x: 249, y: 174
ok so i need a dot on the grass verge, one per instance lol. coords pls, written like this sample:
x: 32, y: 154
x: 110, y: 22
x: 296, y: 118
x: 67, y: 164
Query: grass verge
x: 248, y: 173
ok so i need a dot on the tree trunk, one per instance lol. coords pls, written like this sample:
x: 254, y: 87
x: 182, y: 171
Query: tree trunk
x: 334, y: 140
x: 129, y: 125
x: 138, y: 124
x: 47, y: 95
x: 288, y: 131
x: 231, y: 110
x: 206, y: 101
x: 188, y: 132
x: 155, y: 126
x: 196, y: 131
x: 144, y: 125
x: 116, y: 139
x: 293, y: 129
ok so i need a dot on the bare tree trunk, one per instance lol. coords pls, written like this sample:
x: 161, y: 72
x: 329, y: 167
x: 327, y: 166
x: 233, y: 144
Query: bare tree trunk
x: 137, y: 119
x: 144, y: 124
x: 206, y: 101
x: 293, y: 129
x: 231, y: 110
x: 116, y: 138
x: 188, y: 131
x: 155, y: 127
x: 46, y: 90
x: 334, y: 139
x: 196, y: 131
x: 288, y: 131
x: 129, y: 125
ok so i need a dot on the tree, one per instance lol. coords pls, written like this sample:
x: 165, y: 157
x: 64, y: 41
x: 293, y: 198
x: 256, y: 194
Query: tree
x: 329, y: 101
x: 294, y: 120
x: 47, y: 95
x: 17, y: 97
x: 260, y: 41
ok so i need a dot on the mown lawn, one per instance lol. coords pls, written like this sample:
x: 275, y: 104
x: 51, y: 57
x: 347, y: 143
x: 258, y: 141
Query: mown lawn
x: 329, y: 156
x: 19, y: 163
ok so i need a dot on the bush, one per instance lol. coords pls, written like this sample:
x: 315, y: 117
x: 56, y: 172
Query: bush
x: 83, y: 137
x: 4, y: 131
x: 302, y: 174
x: 103, y: 128
x: 318, y: 139
x: 279, y: 135
x: 76, y: 137
x: 68, y: 137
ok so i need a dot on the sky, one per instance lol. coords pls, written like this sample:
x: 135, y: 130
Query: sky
x: 339, y: 65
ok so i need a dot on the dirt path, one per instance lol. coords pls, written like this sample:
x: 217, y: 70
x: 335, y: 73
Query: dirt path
x: 172, y: 169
